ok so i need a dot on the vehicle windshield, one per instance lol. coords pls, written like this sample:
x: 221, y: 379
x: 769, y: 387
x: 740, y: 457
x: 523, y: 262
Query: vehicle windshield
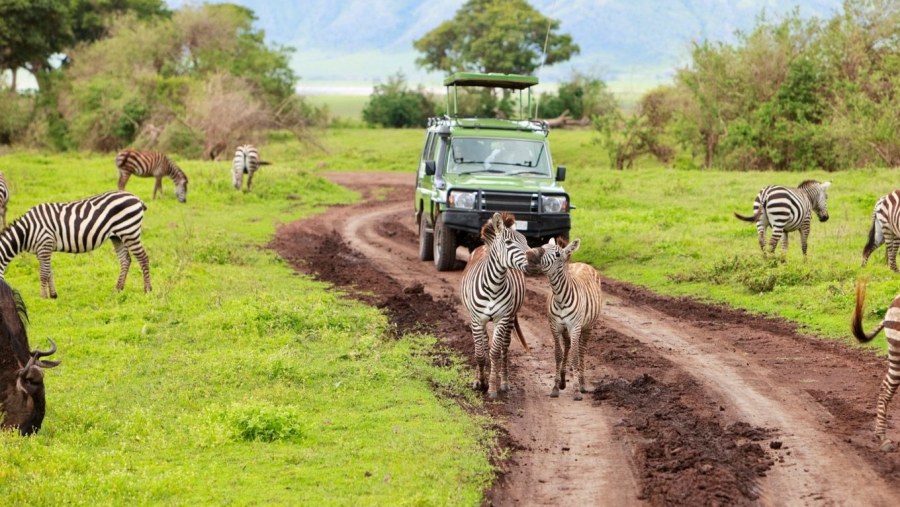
x: 506, y: 156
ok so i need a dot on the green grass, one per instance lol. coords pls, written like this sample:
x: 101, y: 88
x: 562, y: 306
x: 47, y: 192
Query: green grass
x: 235, y: 381
x: 346, y: 107
x: 673, y: 230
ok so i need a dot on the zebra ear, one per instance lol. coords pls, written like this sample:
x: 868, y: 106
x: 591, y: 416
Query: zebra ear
x: 497, y: 222
x: 826, y: 184
x: 552, y: 242
x: 573, y: 246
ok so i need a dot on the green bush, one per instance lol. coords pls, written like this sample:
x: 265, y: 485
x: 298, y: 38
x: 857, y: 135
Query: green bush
x: 393, y: 104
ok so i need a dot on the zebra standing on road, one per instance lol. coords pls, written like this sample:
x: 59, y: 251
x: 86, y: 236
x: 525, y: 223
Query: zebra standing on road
x: 151, y: 163
x: 885, y: 228
x: 492, y: 290
x: 246, y: 161
x: 786, y: 210
x: 573, y: 308
x: 891, y: 327
x: 4, y: 200
x: 77, y: 227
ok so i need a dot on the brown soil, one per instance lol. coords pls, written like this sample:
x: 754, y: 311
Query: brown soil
x: 694, y: 404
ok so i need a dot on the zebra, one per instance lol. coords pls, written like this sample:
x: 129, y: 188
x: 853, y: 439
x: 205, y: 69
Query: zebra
x: 573, y: 309
x: 4, y: 200
x: 885, y: 229
x: 788, y: 209
x: 493, y: 289
x: 246, y: 161
x: 77, y: 227
x: 151, y: 163
x: 891, y: 326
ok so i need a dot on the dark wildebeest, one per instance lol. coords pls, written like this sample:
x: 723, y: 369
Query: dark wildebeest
x: 22, y: 403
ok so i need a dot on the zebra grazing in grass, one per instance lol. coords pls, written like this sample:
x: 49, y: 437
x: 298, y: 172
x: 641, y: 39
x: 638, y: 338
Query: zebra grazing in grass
x: 786, y: 210
x: 77, y: 227
x: 574, y: 308
x: 891, y: 327
x: 246, y: 161
x: 151, y: 163
x: 4, y: 200
x: 493, y: 289
x: 885, y: 228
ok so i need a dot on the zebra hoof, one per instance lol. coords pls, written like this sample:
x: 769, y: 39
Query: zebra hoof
x: 554, y: 393
x: 504, y: 387
x: 886, y: 446
x: 53, y: 296
x: 492, y: 395
x: 577, y: 396
x: 477, y: 385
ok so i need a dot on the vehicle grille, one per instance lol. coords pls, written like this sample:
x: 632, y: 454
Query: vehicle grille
x: 514, y: 203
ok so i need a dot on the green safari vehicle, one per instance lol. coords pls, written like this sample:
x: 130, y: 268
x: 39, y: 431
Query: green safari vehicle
x: 471, y: 168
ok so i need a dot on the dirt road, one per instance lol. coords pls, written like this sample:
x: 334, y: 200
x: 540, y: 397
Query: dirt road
x: 692, y: 404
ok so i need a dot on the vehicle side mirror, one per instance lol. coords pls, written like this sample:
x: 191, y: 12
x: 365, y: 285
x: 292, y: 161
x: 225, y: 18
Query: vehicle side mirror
x: 561, y: 173
x: 430, y: 168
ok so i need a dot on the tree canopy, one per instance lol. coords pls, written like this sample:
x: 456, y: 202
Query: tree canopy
x: 505, y: 36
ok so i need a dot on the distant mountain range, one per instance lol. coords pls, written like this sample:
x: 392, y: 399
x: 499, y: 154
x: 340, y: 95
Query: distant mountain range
x: 632, y: 44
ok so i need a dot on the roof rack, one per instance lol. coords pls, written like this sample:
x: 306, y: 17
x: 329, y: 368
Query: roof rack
x: 527, y: 125
x: 489, y: 80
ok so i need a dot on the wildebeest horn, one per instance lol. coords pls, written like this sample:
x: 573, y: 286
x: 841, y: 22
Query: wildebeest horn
x: 37, y: 354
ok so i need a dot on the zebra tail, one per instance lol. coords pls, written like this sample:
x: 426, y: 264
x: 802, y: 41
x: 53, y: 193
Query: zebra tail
x: 263, y: 162
x: 872, y: 243
x: 519, y: 334
x: 753, y: 218
x: 856, y: 322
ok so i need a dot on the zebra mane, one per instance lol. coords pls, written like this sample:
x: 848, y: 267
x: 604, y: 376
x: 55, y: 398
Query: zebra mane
x: 10, y: 224
x: 807, y: 183
x: 562, y: 242
x: 487, y: 230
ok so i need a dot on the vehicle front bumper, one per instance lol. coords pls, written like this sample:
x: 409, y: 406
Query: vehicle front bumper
x: 531, y: 225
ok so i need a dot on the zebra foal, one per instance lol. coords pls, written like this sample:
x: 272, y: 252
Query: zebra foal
x: 246, y: 161
x: 573, y: 309
x: 493, y: 289
x: 77, y: 227
x: 885, y: 229
x: 151, y: 163
x: 891, y: 326
x: 787, y: 210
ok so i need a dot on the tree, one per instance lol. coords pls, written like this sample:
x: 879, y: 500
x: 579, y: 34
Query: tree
x: 393, y: 104
x: 582, y: 96
x: 31, y: 31
x: 505, y: 36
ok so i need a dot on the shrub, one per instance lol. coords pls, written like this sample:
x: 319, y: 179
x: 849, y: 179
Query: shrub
x: 393, y: 104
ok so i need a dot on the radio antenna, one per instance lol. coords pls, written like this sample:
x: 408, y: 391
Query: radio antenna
x: 537, y: 100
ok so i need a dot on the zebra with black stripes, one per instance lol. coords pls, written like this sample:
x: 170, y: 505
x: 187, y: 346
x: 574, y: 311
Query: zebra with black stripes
x: 246, y: 161
x: 77, y: 227
x: 573, y: 308
x: 4, y: 200
x: 151, y: 163
x: 786, y: 210
x: 492, y: 290
x: 891, y: 326
x: 885, y: 228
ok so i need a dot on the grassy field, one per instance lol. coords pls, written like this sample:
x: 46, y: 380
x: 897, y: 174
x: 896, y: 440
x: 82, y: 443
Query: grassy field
x: 235, y: 381
x: 344, y: 107
x: 673, y: 230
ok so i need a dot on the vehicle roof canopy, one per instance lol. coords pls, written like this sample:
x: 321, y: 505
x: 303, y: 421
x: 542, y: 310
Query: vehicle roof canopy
x: 509, y: 81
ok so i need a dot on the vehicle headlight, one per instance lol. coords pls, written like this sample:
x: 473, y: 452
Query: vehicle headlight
x: 555, y: 203
x: 465, y: 200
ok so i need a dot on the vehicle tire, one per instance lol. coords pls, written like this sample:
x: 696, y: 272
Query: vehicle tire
x: 444, y: 246
x: 426, y: 240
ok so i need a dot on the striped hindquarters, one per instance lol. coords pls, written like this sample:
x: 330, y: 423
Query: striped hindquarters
x: 246, y: 159
x: 887, y: 212
x: 4, y: 200
x: 785, y: 208
x: 143, y: 163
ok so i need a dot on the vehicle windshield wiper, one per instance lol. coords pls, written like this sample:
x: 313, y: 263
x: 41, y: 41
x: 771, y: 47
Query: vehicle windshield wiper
x: 542, y: 173
x: 484, y: 171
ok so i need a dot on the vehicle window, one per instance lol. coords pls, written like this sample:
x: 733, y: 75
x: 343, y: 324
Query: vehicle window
x: 508, y: 156
x: 428, y: 152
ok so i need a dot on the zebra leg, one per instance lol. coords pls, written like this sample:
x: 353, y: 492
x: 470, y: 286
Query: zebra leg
x: 804, y: 235
x: 559, y: 377
x: 124, y: 261
x: 500, y: 351
x: 893, y: 242
x: 500, y: 329
x: 237, y: 179
x: 776, y: 236
x: 585, y: 334
x: 123, y: 179
x: 888, y: 388
x: 784, y: 243
x: 47, y: 286
x: 577, y: 367
x: 480, y: 336
x: 761, y: 232
x: 157, y: 187
x: 566, y: 345
x: 250, y: 180
x: 137, y: 250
